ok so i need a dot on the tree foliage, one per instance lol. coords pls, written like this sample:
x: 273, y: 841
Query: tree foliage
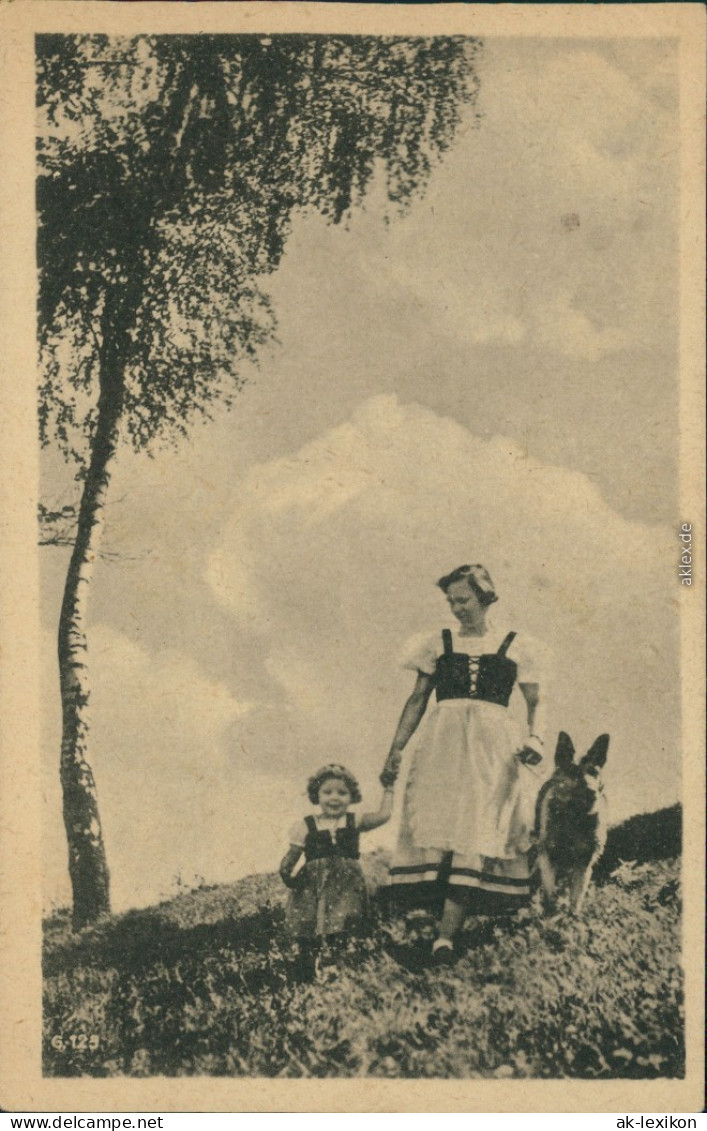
x: 170, y: 169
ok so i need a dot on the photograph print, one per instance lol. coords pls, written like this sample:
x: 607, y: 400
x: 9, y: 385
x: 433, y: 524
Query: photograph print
x: 359, y: 545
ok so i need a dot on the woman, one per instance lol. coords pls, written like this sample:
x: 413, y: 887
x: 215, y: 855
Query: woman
x: 463, y: 807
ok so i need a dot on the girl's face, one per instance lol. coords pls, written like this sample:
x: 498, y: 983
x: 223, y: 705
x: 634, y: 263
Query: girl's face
x: 464, y: 603
x: 334, y: 797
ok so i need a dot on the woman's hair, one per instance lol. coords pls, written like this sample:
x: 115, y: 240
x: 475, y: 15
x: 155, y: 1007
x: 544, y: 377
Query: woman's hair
x: 478, y: 578
x: 333, y: 770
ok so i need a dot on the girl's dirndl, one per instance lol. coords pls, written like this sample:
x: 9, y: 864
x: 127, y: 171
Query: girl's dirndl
x: 331, y: 897
x: 467, y: 809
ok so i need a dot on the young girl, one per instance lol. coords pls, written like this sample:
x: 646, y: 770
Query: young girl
x: 328, y: 895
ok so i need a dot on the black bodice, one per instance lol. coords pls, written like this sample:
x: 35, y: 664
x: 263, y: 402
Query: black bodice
x: 490, y: 676
x: 319, y: 843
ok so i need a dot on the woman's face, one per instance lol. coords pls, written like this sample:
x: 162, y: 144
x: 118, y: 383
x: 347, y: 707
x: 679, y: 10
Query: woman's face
x: 334, y: 797
x: 464, y: 603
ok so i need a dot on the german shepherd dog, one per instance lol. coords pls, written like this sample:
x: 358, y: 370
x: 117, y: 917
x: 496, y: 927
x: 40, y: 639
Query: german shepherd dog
x: 571, y: 821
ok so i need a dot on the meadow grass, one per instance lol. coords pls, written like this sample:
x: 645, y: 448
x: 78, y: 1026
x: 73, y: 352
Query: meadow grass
x: 205, y: 984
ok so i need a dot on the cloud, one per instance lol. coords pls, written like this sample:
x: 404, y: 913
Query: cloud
x: 184, y: 705
x: 172, y: 800
x: 343, y: 540
x: 336, y: 549
x: 560, y: 326
x: 566, y: 208
x: 580, y: 94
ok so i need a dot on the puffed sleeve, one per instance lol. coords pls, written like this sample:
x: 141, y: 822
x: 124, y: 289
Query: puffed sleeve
x: 297, y: 834
x: 531, y: 658
x: 419, y: 654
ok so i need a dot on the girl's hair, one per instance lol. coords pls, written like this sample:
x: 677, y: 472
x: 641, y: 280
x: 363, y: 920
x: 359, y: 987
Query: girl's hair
x: 478, y: 578
x: 333, y: 770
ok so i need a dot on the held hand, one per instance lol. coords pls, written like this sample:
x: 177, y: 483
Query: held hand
x: 530, y: 753
x: 390, y: 769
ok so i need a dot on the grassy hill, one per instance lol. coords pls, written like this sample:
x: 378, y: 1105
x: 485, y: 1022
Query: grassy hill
x: 203, y: 985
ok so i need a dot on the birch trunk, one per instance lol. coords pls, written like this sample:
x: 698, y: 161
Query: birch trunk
x: 88, y: 867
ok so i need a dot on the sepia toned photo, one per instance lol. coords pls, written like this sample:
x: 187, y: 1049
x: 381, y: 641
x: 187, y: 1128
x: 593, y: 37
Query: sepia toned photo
x: 362, y: 556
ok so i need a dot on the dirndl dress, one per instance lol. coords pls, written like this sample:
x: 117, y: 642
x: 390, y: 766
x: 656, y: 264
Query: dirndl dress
x: 331, y: 897
x: 468, y: 803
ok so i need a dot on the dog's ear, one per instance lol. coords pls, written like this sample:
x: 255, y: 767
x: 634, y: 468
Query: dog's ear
x: 564, y: 751
x: 596, y: 755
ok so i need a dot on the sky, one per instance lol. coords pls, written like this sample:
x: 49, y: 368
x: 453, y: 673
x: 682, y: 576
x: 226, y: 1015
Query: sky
x: 493, y: 378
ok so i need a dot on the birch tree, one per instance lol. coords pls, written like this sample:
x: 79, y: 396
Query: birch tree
x: 169, y: 173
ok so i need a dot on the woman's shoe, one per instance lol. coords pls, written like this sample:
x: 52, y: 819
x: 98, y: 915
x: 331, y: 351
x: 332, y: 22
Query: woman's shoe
x: 443, y: 954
